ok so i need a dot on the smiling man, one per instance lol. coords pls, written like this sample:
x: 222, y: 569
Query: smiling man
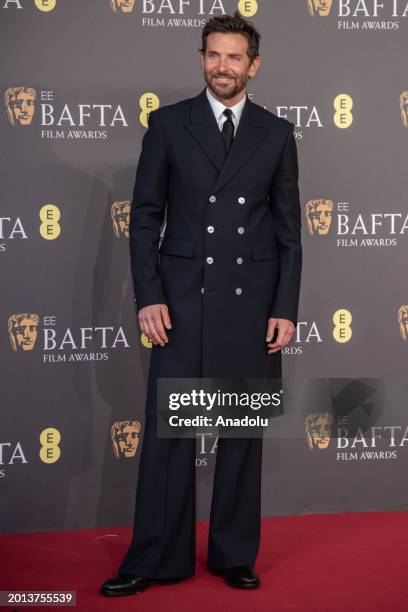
x: 218, y: 297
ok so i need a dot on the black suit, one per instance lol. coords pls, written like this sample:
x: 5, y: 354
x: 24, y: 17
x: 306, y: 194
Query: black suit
x: 230, y: 258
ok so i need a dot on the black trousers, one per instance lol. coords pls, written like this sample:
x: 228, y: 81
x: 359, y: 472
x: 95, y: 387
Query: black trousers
x: 163, y: 541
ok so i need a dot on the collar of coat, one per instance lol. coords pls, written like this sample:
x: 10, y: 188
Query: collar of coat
x: 203, y: 127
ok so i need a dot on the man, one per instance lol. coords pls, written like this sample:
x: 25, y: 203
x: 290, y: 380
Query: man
x: 226, y: 279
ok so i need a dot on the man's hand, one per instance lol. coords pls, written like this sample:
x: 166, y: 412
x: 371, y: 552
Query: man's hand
x: 285, y: 333
x: 153, y: 319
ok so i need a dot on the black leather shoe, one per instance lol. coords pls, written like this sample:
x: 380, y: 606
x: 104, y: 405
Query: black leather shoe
x: 240, y: 576
x: 130, y: 585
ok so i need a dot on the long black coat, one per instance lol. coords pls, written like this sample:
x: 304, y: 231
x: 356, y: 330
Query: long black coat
x: 231, y: 255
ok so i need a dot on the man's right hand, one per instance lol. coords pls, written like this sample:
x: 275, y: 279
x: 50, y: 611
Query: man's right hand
x: 153, y: 319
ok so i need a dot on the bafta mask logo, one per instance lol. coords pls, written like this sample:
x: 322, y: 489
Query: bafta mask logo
x: 318, y: 427
x: 20, y: 104
x: 404, y: 108
x: 122, y: 6
x: 125, y: 438
x: 319, y: 7
x: 319, y: 216
x: 120, y: 213
x: 23, y: 331
x: 403, y: 321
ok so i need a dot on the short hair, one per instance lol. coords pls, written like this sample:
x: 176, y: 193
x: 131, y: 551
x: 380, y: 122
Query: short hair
x: 233, y: 24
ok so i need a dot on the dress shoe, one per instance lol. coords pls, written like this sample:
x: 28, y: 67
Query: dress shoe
x: 240, y: 576
x: 130, y: 585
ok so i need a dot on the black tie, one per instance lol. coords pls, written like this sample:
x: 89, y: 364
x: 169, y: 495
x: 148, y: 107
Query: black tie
x: 228, y: 129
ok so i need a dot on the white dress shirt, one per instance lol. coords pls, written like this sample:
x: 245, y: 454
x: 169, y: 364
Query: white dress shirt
x: 218, y: 109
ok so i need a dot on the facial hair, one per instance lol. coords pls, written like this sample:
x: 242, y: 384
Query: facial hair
x: 228, y: 90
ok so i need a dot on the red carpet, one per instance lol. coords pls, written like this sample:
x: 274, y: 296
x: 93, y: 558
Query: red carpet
x: 321, y: 563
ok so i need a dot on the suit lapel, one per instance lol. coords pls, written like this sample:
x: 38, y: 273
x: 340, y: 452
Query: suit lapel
x: 204, y: 129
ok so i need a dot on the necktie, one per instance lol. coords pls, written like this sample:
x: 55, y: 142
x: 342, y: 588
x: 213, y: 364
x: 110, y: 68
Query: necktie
x: 228, y: 129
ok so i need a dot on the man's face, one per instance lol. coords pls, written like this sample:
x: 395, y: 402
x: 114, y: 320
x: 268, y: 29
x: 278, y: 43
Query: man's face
x: 226, y: 64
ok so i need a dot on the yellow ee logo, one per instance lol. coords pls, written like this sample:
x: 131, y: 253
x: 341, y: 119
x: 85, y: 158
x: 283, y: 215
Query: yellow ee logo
x: 342, y: 331
x: 146, y: 342
x: 148, y: 102
x: 248, y: 8
x: 50, y: 451
x: 45, y: 5
x: 50, y: 215
x: 343, y: 117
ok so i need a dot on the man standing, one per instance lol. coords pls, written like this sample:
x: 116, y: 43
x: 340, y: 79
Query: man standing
x: 218, y: 298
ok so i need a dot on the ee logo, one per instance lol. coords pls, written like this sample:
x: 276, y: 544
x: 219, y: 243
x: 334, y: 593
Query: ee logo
x: 50, y: 439
x: 50, y: 227
x: 148, y: 102
x: 343, y: 117
x: 342, y: 331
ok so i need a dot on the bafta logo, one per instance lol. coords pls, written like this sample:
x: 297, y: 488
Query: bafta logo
x: 319, y: 7
x: 403, y: 321
x: 23, y: 331
x: 20, y: 104
x: 319, y: 216
x: 123, y: 6
x: 404, y: 108
x: 125, y: 438
x: 120, y: 213
x: 318, y: 427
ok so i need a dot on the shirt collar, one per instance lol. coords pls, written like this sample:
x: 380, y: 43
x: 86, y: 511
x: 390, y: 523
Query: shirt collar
x: 218, y: 107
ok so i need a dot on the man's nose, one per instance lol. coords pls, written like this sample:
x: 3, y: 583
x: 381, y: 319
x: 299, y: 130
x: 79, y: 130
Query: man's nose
x: 222, y: 64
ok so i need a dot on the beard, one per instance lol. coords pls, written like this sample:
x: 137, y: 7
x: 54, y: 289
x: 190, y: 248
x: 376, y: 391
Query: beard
x: 225, y: 90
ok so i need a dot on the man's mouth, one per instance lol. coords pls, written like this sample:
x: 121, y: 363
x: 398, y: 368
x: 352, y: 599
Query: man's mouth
x: 223, y: 79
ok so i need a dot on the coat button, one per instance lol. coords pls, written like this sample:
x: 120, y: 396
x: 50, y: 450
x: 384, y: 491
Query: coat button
x: 210, y: 260
x: 239, y: 260
x: 241, y: 200
x: 238, y: 290
x: 210, y: 229
x: 202, y: 289
x: 241, y: 230
x: 212, y: 198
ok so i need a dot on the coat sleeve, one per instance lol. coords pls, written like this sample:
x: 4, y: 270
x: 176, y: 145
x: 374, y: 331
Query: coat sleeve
x: 147, y: 214
x: 285, y: 203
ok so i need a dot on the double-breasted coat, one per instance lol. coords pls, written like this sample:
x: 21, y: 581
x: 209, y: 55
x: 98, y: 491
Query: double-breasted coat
x: 231, y: 254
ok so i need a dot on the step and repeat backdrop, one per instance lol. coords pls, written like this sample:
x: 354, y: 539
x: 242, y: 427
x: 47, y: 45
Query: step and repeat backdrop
x: 79, y: 79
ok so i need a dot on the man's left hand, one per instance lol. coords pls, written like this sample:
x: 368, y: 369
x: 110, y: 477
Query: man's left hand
x: 285, y: 328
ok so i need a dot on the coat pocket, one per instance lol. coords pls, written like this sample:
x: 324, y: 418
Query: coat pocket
x: 172, y: 245
x: 264, y: 250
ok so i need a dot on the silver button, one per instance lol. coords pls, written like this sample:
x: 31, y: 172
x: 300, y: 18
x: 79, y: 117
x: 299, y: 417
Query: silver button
x: 210, y: 229
x: 238, y: 290
x: 239, y: 260
x: 212, y: 198
x: 210, y: 260
x: 202, y: 289
x: 241, y: 200
x: 241, y: 230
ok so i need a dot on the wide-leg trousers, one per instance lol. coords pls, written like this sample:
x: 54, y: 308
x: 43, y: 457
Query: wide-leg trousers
x: 163, y: 541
